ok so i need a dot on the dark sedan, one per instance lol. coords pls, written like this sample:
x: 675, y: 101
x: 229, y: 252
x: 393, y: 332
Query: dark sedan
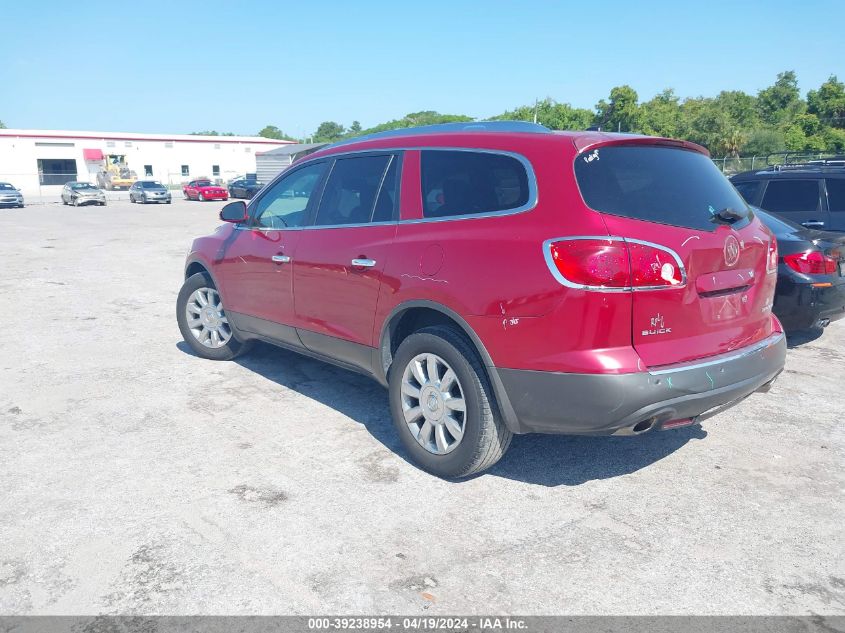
x: 811, y: 274
x: 244, y: 188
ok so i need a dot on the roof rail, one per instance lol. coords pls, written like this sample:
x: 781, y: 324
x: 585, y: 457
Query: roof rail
x: 463, y: 126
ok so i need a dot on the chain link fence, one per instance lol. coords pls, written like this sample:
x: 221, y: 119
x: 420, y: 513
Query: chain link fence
x: 735, y: 164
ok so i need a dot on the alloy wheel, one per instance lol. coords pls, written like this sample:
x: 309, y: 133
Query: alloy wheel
x: 433, y: 404
x: 206, y: 318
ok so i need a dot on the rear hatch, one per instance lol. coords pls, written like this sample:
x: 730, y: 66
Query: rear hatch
x: 674, y: 197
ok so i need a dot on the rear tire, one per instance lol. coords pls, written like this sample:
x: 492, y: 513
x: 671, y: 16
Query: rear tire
x: 186, y: 302
x: 484, y: 437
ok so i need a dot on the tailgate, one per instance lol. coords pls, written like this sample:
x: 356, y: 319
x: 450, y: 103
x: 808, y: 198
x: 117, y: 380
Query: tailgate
x: 676, y: 198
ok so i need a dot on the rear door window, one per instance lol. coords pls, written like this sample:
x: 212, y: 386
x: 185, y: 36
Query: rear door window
x: 456, y: 183
x: 791, y: 196
x: 657, y: 184
x: 836, y: 194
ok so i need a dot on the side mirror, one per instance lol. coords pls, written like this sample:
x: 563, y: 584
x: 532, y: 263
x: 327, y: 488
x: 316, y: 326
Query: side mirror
x: 234, y: 212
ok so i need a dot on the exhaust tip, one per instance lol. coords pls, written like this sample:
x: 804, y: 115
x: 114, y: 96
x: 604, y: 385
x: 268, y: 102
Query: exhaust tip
x: 642, y: 427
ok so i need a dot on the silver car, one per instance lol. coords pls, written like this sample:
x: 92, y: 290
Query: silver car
x: 79, y: 193
x: 10, y: 196
x: 149, y: 191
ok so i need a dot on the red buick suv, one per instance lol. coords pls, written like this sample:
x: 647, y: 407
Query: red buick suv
x: 500, y: 278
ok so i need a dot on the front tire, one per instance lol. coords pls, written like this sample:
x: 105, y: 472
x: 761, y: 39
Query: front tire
x: 200, y: 197
x: 442, y: 405
x: 202, y: 320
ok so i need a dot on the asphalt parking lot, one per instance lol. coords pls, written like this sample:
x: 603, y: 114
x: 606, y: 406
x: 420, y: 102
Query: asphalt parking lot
x: 137, y: 478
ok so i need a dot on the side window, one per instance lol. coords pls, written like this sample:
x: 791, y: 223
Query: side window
x: 351, y: 190
x: 836, y: 194
x: 748, y: 190
x: 785, y: 196
x: 462, y: 183
x: 285, y: 204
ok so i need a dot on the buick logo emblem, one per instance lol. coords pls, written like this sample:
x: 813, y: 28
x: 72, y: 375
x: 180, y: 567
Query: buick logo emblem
x: 731, y: 251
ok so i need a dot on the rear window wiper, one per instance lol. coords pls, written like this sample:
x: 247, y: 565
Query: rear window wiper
x: 728, y: 215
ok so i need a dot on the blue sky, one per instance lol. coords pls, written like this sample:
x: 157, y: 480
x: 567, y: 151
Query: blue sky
x: 177, y: 67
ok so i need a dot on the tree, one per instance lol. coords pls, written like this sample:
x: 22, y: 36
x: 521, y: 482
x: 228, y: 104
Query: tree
x: 328, y: 132
x: 271, y: 131
x: 662, y: 115
x: 780, y: 103
x: 763, y: 141
x: 354, y: 129
x: 2, y: 125
x: 554, y: 115
x: 828, y: 102
x: 621, y: 114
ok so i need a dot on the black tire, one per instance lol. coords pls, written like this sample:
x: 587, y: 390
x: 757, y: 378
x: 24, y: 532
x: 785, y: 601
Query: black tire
x: 168, y: 202
x: 131, y: 198
x: 228, y: 351
x: 200, y: 197
x: 485, y: 435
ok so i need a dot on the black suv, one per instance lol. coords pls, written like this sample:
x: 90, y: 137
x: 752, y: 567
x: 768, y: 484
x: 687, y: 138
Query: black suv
x: 811, y: 193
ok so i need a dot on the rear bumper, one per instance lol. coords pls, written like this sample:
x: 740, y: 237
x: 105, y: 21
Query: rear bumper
x: 801, y: 306
x: 604, y: 404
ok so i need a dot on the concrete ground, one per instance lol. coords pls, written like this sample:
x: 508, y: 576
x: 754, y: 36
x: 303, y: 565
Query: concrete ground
x: 137, y: 478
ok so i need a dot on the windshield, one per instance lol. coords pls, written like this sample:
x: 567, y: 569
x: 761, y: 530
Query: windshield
x: 152, y: 185
x: 203, y: 183
x: 82, y: 185
x: 5, y: 185
x: 656, y: 184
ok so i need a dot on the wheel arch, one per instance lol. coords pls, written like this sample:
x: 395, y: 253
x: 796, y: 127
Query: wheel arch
x: 410, y: 316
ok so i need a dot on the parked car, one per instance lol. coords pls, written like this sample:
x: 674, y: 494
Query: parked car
x: 811, y: 274
x: 811, y: 194
x: 10, y: 196
x: 145, y: 191
x: 244, y: 188
x: 81, y: 193
x: 573, y: 282
x: 204, y: 189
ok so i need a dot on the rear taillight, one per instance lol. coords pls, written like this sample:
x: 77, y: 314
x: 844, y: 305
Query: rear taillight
x: 811, y: 263
x: 772, y: 257
x: 613, y: 263
x: 592, y: 262
x: 653, y: 267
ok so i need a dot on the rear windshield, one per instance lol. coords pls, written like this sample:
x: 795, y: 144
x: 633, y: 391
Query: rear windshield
x: 656, y: 184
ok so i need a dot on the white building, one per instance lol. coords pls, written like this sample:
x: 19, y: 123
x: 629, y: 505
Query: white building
x: 41, y: 161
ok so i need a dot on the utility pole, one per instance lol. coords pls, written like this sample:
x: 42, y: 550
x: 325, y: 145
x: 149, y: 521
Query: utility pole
x: 535, y: 109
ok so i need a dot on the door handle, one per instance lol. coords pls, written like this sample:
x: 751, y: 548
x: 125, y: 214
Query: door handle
x: 813, y: 224
x: 364, y: 263
x: 281, y: 259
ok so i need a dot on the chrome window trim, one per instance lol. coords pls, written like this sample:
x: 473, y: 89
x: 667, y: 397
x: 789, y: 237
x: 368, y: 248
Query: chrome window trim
x: 531, y: 203
x: 547, y: 255
x: 772, y: 339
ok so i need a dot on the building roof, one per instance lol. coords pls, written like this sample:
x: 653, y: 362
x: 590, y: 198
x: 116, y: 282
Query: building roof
x: 135, y: 136
x: 295, y: 148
